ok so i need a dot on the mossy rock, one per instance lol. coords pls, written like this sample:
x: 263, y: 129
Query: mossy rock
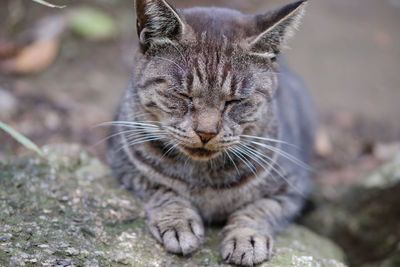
x: 66, y: 210
x: 364, y: 218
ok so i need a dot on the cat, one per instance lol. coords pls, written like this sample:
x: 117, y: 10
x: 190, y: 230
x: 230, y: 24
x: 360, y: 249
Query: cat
x: 214, y: 128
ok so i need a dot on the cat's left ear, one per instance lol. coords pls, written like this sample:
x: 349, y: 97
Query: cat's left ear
x: 158, y: 21
x: 275, y: 28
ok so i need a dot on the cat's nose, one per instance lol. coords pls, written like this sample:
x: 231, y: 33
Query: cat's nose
x: 205, y: 137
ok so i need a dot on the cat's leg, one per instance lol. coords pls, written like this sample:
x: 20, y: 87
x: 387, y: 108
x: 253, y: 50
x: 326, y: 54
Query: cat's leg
x: 174, y: 222
x: 247, y: 238
x: 171, y: 219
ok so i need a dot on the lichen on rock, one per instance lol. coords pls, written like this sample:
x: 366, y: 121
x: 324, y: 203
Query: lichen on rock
x: 66, y: 210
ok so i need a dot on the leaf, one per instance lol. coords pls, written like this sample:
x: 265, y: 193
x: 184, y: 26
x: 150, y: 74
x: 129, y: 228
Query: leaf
x: 92, y: 24
x: 20, y: 138
x: 42, y: 2
x: 32, y: 58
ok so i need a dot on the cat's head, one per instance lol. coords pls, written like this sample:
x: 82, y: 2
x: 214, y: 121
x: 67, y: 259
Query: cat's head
x: 208, y: 75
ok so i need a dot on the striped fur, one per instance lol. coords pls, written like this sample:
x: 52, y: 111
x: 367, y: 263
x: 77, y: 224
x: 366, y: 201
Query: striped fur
x: 202, y: 132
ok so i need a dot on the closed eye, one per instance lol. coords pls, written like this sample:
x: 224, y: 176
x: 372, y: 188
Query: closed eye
x: 231, y: 102
x: 185, y: 96
x: 191, y: 104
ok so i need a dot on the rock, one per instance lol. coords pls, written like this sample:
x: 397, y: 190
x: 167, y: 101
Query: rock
x: 66, y: 210
x: 364, y: 218
x: 386, y: 151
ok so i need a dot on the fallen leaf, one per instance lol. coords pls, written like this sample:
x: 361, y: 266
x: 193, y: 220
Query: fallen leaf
x: 41, y: 50
x: 32, y: 58
x: 7, y: 48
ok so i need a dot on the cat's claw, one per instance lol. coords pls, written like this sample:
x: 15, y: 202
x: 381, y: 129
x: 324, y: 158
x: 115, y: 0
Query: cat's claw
x: 178, y: 235
x: 246, y: 247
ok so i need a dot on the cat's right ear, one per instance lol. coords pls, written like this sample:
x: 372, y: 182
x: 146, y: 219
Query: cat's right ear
x: 157, y: 21
x: 275, y: 27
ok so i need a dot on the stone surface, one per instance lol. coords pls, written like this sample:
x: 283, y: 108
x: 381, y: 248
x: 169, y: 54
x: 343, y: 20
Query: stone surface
x: 66, y: 210
x: 364, y: 218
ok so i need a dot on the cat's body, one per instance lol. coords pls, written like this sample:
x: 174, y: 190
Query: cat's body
x: 204, y: 97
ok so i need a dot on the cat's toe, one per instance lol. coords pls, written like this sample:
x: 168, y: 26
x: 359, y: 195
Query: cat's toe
x: 180, y: 241
x: 246, y: 247
x: 183, y: 238
x: 180, y: 236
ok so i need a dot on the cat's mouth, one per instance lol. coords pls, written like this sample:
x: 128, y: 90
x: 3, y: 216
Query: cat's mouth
x: 200, y: 153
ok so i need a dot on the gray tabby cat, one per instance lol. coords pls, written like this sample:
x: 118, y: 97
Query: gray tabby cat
x: 213, y: 128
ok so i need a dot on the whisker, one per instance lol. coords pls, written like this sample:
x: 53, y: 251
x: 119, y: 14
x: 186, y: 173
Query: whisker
x: 264, y: 158
x: 245, y: 161
x: 131, y: 123
x: 136, y: 127
x: 138, y: 136
x: 148, y: 131
x: 143, y: 137
x: 282, y: 153
x: 255, y: 151
x: 233, y: 162
x: 170, y: 142
x: 254, y: 157
x: 175, y: 146
x: 271, y: 165
x: 172, y: 148
x: 115, y: 134
x: 245, y: 153
x: 142, y: 132
x: 267, y: 139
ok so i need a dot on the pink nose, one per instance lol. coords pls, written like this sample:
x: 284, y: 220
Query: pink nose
x: 205, y: 137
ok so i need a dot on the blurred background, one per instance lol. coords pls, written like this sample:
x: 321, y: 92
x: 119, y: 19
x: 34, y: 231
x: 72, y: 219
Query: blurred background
x: 62, y: 72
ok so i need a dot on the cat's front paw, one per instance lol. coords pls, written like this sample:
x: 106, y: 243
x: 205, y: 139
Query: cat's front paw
x: 246, y: 247
x: 179, y: 233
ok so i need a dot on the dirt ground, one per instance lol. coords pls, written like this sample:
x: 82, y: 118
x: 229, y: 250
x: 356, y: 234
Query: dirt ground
x: 346, y: 51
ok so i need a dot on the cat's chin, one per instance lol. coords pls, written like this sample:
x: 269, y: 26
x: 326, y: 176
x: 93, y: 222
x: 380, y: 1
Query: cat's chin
x: 200, y: 153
